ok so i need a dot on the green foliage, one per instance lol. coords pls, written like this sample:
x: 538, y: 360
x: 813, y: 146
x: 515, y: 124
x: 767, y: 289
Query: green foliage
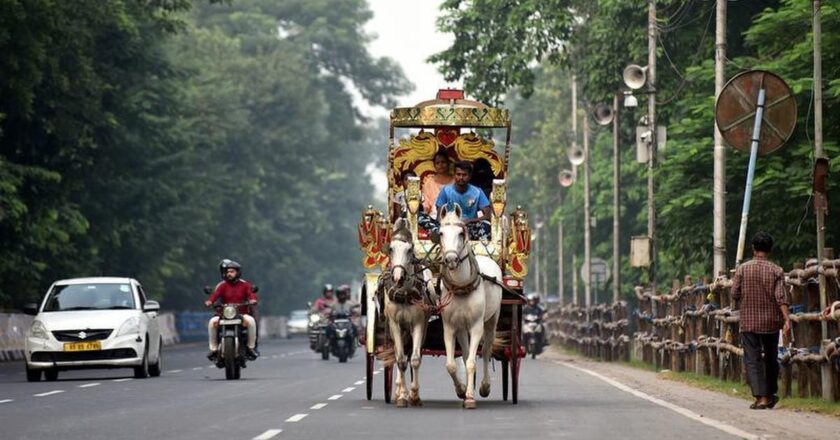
x: 604, y: 37
x: 152, y: 139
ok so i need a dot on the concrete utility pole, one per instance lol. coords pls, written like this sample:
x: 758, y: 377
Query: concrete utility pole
x: 820, y: 201
x: 616, y: 275
x: 574, y: 145
x: 537, y: 239
x: 587, y: 225
x: 719, y: 239
x: 652, y: 145
x: 560, y: 265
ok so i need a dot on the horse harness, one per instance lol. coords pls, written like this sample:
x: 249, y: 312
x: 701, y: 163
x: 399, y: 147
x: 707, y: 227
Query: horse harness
x: 412, y: 289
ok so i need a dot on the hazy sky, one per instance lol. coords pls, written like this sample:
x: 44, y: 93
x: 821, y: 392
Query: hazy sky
x: 405, y: 31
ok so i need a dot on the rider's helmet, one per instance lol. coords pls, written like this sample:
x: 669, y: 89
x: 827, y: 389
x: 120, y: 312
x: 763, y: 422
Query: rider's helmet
x: 533, y: 299
x: 230, y: 264
x: 328, y: 289
x: 343, y: 293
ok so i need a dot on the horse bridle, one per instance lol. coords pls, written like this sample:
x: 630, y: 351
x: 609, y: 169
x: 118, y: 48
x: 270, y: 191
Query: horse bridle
x: 474, y: 279
x: 464, y: 243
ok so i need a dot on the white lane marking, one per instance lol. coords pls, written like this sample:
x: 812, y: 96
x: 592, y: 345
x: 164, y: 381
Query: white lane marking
x: 268, y: 434
x: 318, y: 406
x: 296, y: 418
x: 274, y: 357
x: 197, y: 368
x: 49, y: 393
x: 729, y: 429
x: 6, y: 400
x: 335, y: 397
x: 88, y: 385
x: 123, y: 380
x: 358, y: 382
x: 174, y: 371
x: 376, y: 372
x: 348, y: 389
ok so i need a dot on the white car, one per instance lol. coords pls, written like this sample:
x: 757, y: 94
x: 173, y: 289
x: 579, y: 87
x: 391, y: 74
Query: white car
x: 298, y: 322
x: 94, y: 323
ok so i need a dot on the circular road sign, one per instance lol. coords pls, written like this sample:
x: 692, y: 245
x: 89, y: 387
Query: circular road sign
x: 600, y: 272
x: 736, y: 106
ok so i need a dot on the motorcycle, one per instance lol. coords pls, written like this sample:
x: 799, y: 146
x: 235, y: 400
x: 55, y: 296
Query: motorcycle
x: 340, y: 337
x: 318, y: 334
x: 232, y: 338
x: 532, y: 331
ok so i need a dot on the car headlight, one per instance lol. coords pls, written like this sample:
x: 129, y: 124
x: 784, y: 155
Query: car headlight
x: 38, y: 330
x: 229, y: 312
x: 131, y: 325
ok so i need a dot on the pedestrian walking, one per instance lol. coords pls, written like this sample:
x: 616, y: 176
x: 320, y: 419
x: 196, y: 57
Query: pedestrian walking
x: 758, y: 286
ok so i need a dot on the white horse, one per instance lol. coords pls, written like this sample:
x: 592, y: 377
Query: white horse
x: 472, y: 303
x: 404, y: 308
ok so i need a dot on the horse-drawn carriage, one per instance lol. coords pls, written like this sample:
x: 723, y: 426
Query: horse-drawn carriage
x: 465, y: 131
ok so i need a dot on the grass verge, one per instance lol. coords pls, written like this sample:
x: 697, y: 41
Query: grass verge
x: 741, y: 390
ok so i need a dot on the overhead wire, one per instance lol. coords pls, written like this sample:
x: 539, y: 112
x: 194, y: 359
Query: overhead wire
x: 694, y: 57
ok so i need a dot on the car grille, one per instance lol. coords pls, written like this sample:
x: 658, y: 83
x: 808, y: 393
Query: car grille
x: 73, y: 356
x: 76, y: 335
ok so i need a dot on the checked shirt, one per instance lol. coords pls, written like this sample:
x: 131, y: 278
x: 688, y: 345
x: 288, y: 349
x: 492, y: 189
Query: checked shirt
x: 758, y: 286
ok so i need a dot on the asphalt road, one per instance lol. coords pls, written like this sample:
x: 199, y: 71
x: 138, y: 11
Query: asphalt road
x: 291, y: 393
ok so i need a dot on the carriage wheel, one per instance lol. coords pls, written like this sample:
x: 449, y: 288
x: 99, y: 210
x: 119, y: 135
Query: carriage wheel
x: 514, y: 352
x: 505, y: 366
x: 369, y: 374
x: 389, y: 382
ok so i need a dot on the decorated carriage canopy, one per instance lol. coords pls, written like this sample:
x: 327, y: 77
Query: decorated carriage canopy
x: 447, y: 124
x: 463, y: 130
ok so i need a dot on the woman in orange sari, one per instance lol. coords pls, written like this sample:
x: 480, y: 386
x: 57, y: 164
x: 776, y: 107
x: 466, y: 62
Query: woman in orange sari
x: 433, y: 184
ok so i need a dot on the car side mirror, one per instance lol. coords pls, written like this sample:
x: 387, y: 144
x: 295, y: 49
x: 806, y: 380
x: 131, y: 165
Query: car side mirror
x: 151, y: 306
x: 30, y: 309
x: 255, y: 289
x: 208, y: 290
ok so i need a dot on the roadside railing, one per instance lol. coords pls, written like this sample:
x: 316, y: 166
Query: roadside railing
x: 600, y: 331
x: 695, y: 327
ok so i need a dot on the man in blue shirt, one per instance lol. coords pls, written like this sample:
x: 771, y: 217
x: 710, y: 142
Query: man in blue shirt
x: 471, y: 199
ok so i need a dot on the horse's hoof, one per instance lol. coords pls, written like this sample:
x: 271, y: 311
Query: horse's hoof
x: 484, y: 390
x: 469, y: 404
x: 461, y: 391
x: 402, y: 403
x: 415, y: 401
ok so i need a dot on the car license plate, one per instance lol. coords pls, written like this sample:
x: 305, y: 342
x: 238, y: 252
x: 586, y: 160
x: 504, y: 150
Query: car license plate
x: 230, y: 321
x: 83, y: 346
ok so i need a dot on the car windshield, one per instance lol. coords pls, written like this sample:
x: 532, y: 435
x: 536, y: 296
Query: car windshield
x: 90, y: 297
x: 300, y: 314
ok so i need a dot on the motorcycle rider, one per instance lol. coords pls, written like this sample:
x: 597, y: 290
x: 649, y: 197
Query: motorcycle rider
x: 322, y: 305
x: 533, y: 307
x: 233, y: 289
x: 343, y: 304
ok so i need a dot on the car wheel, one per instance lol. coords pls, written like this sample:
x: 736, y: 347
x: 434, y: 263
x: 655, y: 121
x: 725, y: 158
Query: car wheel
x: 33, y: 375
x: 51, y: 374
x: 157, y: 367
x: 142, y: 371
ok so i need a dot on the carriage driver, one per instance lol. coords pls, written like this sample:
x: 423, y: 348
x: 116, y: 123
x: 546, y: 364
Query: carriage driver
x: 233, y: 289
x: 472, y: 200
